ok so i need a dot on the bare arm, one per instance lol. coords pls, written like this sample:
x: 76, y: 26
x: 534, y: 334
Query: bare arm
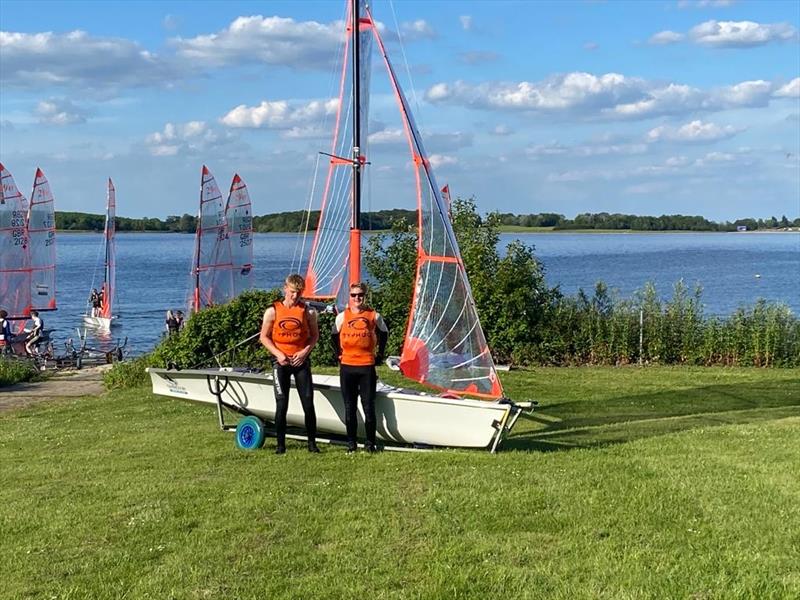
x: 266, y: 337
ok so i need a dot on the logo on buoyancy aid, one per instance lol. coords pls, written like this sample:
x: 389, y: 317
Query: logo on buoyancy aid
x: 358, y: 328
x: 290, y: 327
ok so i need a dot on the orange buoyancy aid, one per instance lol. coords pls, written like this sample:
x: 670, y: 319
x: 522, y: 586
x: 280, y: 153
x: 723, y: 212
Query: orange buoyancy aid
x: 290, y: 332
x: 357, y: 338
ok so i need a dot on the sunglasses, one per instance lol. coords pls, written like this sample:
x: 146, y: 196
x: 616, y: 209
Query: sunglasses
x: 357, y: 295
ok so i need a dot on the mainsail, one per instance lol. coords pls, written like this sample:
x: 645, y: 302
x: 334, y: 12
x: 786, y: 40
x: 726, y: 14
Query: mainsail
x: 109, y: 272
x: 15, y: 275
x: 239, y: 221
x: 42, y: 244
x: 338, y: 228
x: 211, y: 267
x: 444, y: 345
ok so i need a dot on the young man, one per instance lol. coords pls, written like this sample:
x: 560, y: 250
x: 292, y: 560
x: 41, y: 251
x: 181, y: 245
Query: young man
x: 359, y: 330
x: 35, y: 334
x: 5, y: 333
x: 289, y: 332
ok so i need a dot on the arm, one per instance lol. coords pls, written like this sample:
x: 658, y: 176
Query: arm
x: 337, y: 326
x: 266, y: 337
x: 313, y: 338
x: 383, y: 337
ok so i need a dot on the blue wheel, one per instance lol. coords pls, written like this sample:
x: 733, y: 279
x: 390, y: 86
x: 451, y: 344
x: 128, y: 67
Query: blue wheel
x: 250, y: 433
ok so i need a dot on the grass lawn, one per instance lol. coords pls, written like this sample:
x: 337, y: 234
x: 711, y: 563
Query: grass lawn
x: 626, y: 483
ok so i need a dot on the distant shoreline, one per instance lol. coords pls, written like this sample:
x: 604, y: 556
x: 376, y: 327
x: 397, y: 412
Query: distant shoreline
x: 502, y: 229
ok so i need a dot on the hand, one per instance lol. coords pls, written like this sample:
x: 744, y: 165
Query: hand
x: 299, y: 358
x: 282, y: 359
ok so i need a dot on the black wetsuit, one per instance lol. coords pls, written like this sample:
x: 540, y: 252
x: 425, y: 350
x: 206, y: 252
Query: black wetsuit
x: 355, y: 382
x: 281, y: 375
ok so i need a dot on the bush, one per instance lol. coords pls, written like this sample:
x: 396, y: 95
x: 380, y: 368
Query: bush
x: 128, y: 373
x: 16, y: 371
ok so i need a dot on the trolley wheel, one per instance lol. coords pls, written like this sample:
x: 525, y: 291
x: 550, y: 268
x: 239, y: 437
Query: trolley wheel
x: 250, y: 433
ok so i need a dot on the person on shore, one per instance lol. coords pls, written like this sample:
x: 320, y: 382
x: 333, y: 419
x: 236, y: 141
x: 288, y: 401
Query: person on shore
x: 174, y: 321
x: 5, y: 333
x: 358, y: 331
x: 35, y: 334
x: 94, y: 300
x: 289, y: 331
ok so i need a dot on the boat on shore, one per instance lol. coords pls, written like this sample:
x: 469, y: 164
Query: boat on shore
x: 445, y: 348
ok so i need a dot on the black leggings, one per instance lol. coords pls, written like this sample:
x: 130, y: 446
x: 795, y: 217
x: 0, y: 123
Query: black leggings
x: 356, y: 381
x: 281, y: 375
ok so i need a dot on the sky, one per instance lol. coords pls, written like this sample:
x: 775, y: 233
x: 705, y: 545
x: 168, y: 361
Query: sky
x: 649, y: 108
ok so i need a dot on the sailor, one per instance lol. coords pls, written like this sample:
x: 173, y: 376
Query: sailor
x: 94, y: 299
x: 174, y: 322
x: 101, y: 300
x: 358, y: 331
x: 5, y: 333
x: 35, y: 334
x: 289, y: 332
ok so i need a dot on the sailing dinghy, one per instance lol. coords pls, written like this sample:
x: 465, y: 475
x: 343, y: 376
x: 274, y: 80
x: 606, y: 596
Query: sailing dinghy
x: 15, y: 274
x: 103, y: 319
x: 41, y: 227
x: 444, y: 347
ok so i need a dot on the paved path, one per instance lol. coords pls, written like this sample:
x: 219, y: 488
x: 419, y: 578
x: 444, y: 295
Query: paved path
x: 68, y: 384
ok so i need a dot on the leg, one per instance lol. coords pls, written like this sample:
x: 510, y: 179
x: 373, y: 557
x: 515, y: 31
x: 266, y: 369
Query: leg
x: 369, y: 383
x: 305, y: 389
x: 280, y: 380
x: 348, y: 382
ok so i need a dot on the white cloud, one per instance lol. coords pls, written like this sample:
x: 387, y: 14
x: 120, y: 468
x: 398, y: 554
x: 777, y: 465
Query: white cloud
x: 730, y: 34
x: 695, y: 131
x: 272, y: 40
x: 501, y: 130
x: 466, y: 22
x: 442, y: 160
x: 279, y: 114
x: 59, y: 111
x: 417, y: 30
x: 76, y: 59
x: 665, y: 37
x: 190, y: 137
x: 387, y: 137
x: 790, y: 90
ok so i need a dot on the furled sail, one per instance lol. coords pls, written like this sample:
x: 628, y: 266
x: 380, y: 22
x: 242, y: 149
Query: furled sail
x: 328, y: 264
x: 42, y: 244
x: 109, y: 274
x: 211, y: 266
x: 444, y: 345
x: 15, y: 275
x: 239, y: 220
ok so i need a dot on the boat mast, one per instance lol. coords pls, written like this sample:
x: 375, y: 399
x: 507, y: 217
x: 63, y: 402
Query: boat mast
x: 355, y: 231
x: 198, y: 233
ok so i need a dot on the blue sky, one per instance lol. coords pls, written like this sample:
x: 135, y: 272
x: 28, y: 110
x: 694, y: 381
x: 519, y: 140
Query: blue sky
x: 688, y: 107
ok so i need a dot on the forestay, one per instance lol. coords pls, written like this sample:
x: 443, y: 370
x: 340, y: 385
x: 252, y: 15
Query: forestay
x: 444, y: 345
x: 239, y: 221
x: 15, y: 275
x: 42, y: 244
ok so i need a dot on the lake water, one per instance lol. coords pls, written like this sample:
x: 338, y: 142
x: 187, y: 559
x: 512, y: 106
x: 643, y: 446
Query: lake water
x: 152, y: 271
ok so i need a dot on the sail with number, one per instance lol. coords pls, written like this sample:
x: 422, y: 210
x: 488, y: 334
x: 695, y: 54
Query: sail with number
x: 212, y: 282
x: 239, y: 222
x: 337, y: 230
x: 109, y: 271
x: 15, y: 275
x: 42, y: 243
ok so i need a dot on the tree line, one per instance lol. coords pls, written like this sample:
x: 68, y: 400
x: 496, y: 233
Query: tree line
x: 383, y: 219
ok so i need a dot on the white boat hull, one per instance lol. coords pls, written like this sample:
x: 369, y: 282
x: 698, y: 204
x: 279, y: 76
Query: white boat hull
x: 100, y: 322
x: 403, y: 416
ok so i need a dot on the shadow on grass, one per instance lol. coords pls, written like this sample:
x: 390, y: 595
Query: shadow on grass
x: 591, y: 424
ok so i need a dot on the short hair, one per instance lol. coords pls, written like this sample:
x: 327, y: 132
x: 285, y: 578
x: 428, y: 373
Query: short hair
x: 3, y: 314
x: 361, y: 285
x: 34, y: 313
x: 296, y: 281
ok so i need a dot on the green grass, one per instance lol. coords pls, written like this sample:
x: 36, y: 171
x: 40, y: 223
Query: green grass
x: 627, y: 483
x: 17, y: 370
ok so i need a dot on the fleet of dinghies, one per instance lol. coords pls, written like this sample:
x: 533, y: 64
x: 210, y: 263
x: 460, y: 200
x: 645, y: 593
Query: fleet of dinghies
x: 444, y: 347
x: 27, y: 249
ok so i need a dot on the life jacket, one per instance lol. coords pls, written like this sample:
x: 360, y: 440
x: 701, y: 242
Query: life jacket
x: 3, y: 332
x: 173, y: 324
x: 290, y: 332
x: 357, y: 338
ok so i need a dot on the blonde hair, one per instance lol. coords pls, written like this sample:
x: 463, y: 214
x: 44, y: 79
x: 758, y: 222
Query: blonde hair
x: 296, y: 281
x: 361, y: 285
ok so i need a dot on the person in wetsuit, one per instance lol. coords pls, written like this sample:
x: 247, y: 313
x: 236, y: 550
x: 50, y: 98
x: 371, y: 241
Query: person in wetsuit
x: 289, y: 332
x: 359, y: 330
